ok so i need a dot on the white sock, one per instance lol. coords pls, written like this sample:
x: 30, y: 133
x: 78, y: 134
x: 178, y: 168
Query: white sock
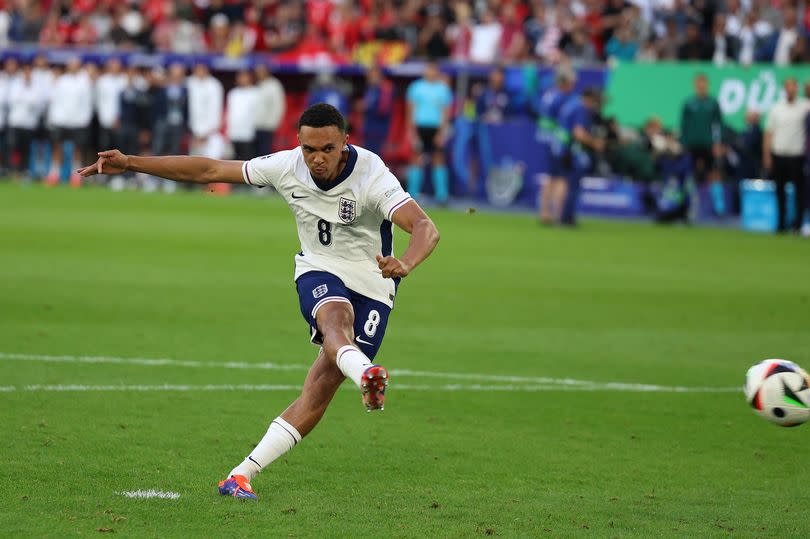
x: 352, y: 363
x: 280, y: 438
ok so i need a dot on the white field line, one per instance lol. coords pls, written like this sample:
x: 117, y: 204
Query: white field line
x: 157, y: 362
x: 150, y: 494
x: 521, y: 388
x: 511, y: 383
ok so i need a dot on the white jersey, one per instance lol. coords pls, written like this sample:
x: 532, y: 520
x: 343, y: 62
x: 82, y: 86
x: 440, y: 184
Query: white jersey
x: 343, y: 227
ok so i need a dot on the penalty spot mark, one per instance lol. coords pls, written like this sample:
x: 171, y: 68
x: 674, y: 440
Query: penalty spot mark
x: 145, y: 494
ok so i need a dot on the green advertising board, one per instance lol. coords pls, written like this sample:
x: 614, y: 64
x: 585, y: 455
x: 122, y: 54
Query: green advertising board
x: 637, y: 91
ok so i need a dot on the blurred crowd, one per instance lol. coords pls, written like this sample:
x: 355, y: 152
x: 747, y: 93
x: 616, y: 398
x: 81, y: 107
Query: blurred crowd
x: 483, y: 31
x: 54, y: 117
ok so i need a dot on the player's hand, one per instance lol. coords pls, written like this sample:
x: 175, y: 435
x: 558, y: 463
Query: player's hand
x: 392, y: 267
x: 109, y: 162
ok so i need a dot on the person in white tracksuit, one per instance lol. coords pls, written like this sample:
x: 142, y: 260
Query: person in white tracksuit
x: 7, y: 78
x: 70, y: 112
x: 108, y: 102
x: 241, y: 116
x: 205, y: 106
x: 23, y: 118
x: 42, y: 76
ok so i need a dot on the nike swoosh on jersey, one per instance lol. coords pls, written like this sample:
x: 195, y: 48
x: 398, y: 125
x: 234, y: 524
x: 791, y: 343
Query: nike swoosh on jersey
x: 302, y: 196
x: 358, y: 339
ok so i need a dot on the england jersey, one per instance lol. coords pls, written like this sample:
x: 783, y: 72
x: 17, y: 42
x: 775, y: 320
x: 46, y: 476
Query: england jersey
x: 342, y: 225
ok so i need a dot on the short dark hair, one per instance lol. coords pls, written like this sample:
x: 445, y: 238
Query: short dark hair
x: 322, y: 115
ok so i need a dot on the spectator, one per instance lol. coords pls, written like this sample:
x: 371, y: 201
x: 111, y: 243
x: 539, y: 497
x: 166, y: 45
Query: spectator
x: 726, y: 47
x: 495, y: 103
x: 218, y: 33
x: 748, y: 39
x: 578, y: 48
x: 241, y: 119
x: 786, y: 37
x: 42, y: 77
x: 648, y: 52
x: 486, y: 35
x: 560, y: 23
x: 101, y: 21
x: 326, y: 88
x: 284, y: 30
x: 460, y: 34
x: 108, y: 102
x: 621, y: 46
x: 553, y: 136
x: 783, y: 150
x: 205, y: 103
x: 84, y: 33
x: 769, y: 15
x: 164, y: 31
x: 429, y: 107
x: 169, y: 127
x: 54, y: 32
x: 512, y: 37
x: 5, y: 26
x: 535, y: 25
x: 270, y: 106
x: 735, y: 17
x: 694, y: 47
x: 7, y: 78
x: 432, y: 39
x: 701, y: 131
x: 578, y: 118
x: 133, y: 95
x: 611, y: 18
x: 378, y: 105
x: 750, y: 150
x: 667, y: 46
x: 70, y: 112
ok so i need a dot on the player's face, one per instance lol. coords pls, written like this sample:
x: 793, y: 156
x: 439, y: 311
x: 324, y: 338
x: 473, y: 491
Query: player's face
x: 323, y: 150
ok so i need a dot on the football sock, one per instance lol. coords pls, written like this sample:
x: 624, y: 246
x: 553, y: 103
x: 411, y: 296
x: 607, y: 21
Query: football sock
x: 718, y: 197
x: 280, y: 438
x: 414, y: 180
x: 67, y: 161
x: 441, y: 183
x: 352, y: 363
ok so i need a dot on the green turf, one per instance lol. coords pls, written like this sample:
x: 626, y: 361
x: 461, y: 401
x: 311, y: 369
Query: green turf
x: 191, y: 277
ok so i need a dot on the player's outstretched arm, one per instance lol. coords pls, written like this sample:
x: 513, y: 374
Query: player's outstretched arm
x: 424, y: 236
x: 181, y: 168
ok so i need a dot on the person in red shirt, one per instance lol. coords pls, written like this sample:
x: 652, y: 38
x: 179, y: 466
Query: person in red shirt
x: 55, y: 31
x: 84, y: 33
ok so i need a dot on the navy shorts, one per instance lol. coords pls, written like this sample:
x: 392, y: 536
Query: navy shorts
x: 317, y: 288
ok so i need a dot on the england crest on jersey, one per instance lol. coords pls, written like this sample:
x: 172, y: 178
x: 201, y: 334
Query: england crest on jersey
x: 347, y: 210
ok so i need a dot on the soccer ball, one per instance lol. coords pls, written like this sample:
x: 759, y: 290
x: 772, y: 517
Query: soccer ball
x: 779, y: 391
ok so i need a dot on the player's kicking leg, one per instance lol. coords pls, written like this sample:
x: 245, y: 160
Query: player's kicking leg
x: 338, y: 359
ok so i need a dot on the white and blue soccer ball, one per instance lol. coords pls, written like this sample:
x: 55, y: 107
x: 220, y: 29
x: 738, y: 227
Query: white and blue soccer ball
x: 779, y: 391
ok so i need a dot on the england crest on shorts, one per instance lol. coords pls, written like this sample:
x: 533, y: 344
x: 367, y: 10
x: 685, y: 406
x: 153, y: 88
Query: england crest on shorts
x: 347, y: 210
x: 320, y: 291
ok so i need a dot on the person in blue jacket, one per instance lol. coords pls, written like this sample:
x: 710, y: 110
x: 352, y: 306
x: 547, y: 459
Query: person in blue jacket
x: 582, y: 145
x: 378, y: 106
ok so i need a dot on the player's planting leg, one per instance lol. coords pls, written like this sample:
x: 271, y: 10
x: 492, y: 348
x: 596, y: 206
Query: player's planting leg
x: 287, y: 430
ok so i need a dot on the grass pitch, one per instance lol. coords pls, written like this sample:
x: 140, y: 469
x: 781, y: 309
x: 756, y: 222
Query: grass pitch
x: 535, y: 424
